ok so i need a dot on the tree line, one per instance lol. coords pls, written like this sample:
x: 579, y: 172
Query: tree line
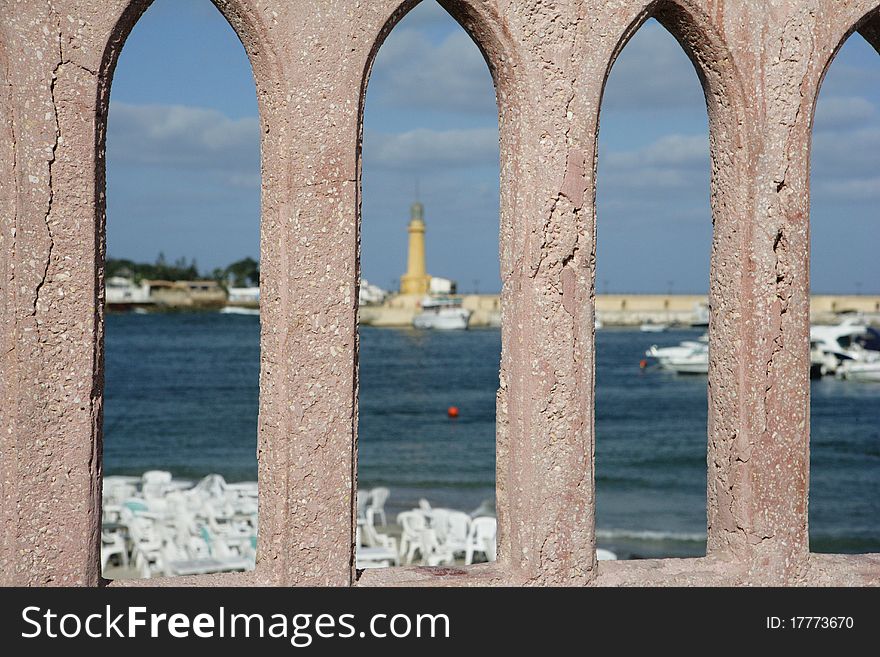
x: 241, y: 273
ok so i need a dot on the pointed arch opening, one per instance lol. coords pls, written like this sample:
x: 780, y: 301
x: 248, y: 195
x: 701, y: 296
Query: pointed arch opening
x: 181, y: 273
x: 844, y: 337
x: 654, y: 238
x: 429, y: 334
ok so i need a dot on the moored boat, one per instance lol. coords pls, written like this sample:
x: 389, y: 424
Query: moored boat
x: 442, y: 313
x: 850, y: 349
x: 688, y: 357
x: 653, y: 327
x: 239, y: 310
x: 697, y: 362
x: 866, y: 369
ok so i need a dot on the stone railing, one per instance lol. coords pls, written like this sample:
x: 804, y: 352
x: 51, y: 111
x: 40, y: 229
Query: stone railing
x: 761, y: 65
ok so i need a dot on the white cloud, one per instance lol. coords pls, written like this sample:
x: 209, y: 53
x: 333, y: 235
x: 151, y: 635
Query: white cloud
x: 846, y: 139
x: 847, y: 153
x: 682, y: 151
x: 847, y: 75
x: 850, y: 189
x: 411, y: 71
x: 432, y: 149
x: 670, y: 163
x: 180, y: 136
x: 244, y: 180
x: 843, y: 112
x: 651, y: 73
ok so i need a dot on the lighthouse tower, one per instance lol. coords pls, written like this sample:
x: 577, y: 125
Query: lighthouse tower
x: 416, y: 279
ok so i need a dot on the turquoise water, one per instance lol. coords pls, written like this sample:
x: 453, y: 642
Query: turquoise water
x: 182, y: 395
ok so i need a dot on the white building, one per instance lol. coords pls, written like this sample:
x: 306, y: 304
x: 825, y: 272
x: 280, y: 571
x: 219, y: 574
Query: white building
x: 441, y: 286
x: 122, y: 291
x: 244, y: 295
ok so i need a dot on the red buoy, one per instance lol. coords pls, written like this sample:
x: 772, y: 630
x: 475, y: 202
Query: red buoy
x: 643, y: 363
x: 452, y: 411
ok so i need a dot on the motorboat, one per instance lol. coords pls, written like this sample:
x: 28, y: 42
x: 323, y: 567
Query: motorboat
x: 689, y: 357
x: 442, y: 313
x: 838, y: 339
x: 833, y: 346
x: 701, y: 316
x: 653, y: 327
x: 662, y: 355
x: 822, y: 363
x: 696, y: 362
x: 867, y: 371
x: 239, y: 310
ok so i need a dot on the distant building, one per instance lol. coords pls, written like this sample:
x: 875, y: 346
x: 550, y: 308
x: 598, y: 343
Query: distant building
x: 187, y: 294
x: 122, y: 293
x: 442, y: 286
x: 248, y: 297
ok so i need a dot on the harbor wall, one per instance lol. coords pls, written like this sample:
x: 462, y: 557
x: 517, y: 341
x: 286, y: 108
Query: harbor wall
x: 616, y: 309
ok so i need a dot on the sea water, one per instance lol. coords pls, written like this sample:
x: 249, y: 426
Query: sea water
x: 181, y: 394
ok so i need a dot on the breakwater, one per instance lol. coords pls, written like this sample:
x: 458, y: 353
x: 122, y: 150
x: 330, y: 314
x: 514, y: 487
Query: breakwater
x: 617, y: 309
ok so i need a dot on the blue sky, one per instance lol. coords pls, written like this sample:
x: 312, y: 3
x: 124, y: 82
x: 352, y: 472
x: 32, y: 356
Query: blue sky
x: 183, y: 156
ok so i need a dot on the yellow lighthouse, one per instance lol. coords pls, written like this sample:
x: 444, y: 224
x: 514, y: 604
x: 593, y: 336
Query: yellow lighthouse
x: 416, y: 280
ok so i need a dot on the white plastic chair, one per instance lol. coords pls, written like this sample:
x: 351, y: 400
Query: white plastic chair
x: 374, y: 556
x: 147, y: 545
x: 368, y: 536
x: 378, y: 496
x: 116, y: 489
x: 438, y: 519
x: 458, y: 526
x: 413, y: 524
x: 481, y: 539
x: 363, y: 498
x: 433, y: 552
x: 605, y: 555
x: 153, y: 483
x: 113, y: 544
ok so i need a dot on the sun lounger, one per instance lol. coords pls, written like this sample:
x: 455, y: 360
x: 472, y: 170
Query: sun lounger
x: 206, y: 566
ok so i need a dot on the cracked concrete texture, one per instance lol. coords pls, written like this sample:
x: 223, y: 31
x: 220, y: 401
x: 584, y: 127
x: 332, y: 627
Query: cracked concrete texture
x: 761, y: 64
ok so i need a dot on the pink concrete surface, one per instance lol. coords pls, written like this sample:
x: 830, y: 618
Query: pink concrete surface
x: 761, y: 64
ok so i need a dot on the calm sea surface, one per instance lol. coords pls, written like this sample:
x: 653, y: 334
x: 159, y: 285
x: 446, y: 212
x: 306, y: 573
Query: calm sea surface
x: 182, y: 395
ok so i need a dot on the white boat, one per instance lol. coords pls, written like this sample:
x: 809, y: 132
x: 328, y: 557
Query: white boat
x: 865, y: 371
x: 697, y: 362
x: 653, y: 327
x: 863, y: 365
x: 822, y: 363
x: 239, y: 310
x: 852, y: 342
x: 701, y: 316
x: 837, y: 339
x: 689, y: 357
x: 442, y: 313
